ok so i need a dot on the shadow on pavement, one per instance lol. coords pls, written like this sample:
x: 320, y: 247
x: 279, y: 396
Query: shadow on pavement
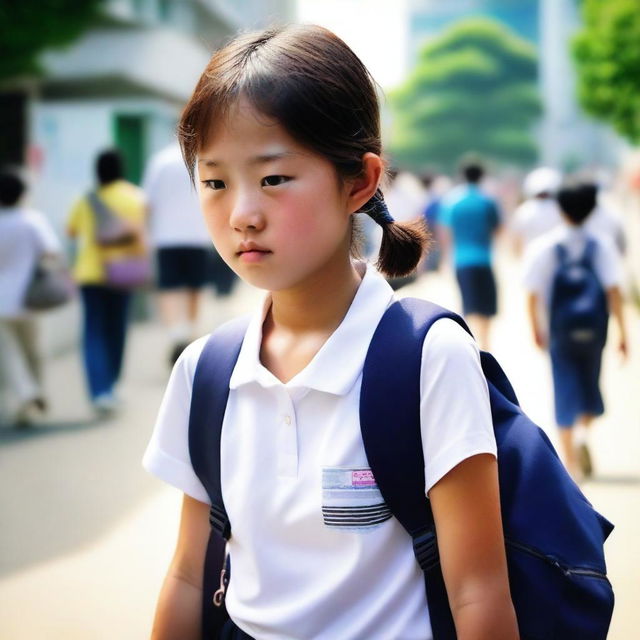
x: 10, y: 433
x: 68, y: 484
x: 627, y: 480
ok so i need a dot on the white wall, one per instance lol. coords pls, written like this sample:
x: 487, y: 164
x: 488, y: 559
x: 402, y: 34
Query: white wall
x: 67, y: 135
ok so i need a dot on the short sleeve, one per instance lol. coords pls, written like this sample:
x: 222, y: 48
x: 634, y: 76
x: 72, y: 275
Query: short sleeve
x: 455, y: 413
x: 608, y: 264
x: 167, y: 455
x: 446, y: 212
x: 538, y: 266
x: 47, y: 239
x: 149, y: 179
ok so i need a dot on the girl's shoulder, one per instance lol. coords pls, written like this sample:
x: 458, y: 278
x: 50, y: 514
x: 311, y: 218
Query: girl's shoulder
x: 446, y: 337
x: 449, y: 353
x: 185, y: 366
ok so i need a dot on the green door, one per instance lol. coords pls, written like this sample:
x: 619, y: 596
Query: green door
x: 130, y: 138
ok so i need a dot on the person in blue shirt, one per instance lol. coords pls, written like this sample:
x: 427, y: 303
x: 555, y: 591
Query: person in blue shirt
x: 471, y: 218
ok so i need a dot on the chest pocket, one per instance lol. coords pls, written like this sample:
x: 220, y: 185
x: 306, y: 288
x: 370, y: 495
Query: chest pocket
x: 351, y: 499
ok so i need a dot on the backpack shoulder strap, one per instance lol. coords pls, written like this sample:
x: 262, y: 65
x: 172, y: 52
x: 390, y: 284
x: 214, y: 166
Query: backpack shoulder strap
x: 390, y: 425
x: 390, y: 408
x: 562, y: 254
x: 208, y: 404
x: 590, y: 248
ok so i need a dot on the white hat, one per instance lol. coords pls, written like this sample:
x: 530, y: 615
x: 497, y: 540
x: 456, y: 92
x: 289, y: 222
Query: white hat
x: 542, y: 180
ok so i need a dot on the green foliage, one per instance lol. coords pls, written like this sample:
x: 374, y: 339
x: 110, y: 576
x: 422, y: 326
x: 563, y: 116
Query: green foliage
x: 28, y: 27
x: 473, y: 88
x: 607, y: 56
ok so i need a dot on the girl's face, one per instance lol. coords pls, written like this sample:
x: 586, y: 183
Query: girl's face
x: 276, y: 211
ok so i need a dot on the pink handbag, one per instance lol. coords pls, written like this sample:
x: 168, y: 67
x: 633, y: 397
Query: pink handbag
x: 128, y: 272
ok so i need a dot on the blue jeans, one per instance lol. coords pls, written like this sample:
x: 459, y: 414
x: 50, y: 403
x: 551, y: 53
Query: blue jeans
x: 105, y: 326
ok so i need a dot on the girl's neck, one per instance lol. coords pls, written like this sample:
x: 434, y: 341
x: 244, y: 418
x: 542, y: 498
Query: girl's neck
x: 319, y: 304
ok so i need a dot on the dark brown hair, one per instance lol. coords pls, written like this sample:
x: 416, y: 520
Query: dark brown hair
x: 312, y: 84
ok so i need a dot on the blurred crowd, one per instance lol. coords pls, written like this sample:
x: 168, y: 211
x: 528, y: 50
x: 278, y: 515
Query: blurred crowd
x: 127, y: 238
x: 123, y: 239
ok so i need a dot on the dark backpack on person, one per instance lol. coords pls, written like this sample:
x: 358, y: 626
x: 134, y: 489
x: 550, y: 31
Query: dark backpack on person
x: 554, y: 538
x: 579, y: 313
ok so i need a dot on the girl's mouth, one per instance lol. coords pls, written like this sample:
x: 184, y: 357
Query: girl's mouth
x: 253, y: 255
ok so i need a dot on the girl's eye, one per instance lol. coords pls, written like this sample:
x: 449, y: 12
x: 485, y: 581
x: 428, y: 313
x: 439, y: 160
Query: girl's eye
x: 274, y: 181
x: 214, y: 184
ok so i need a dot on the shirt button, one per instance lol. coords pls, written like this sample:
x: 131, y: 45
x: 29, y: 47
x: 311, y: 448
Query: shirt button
x: 287, y: 419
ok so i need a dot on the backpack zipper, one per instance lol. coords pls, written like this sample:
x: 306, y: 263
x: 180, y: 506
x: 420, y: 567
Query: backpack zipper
x: 567, y: 571
x: 219, y: 595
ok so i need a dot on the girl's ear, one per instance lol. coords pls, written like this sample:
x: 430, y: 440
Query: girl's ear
x: 363, y: 188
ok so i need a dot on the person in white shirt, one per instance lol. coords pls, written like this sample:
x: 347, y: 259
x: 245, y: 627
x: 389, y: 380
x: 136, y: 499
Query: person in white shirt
x: 576, y: 370
x: 186, y: 260
x: 604, y: 221
x: 25, y: 238
x: 279, y: 186
x: 539, y: 213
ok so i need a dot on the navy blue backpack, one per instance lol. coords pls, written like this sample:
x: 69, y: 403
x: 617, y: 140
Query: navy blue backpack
x: 554, y: 537
x: 579, y: 313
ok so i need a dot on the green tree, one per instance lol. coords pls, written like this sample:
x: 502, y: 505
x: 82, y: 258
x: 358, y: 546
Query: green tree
x: 607, y: 55
x: 28, y: 27
x: 472, y: 89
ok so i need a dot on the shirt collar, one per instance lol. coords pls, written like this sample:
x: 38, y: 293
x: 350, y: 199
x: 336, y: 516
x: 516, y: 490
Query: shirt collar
x: 338, y: 363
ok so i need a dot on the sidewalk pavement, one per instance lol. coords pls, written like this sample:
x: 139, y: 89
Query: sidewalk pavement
x: 106, y: 587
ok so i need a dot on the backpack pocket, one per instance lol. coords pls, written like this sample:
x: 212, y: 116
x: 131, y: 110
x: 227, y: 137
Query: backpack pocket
x: 559, y: 602
x: 351, y: 500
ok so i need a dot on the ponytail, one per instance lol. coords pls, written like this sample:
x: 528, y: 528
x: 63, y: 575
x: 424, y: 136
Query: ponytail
x: 403, y: 243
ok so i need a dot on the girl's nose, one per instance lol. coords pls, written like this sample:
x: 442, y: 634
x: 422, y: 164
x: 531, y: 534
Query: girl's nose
x: 247, y: 214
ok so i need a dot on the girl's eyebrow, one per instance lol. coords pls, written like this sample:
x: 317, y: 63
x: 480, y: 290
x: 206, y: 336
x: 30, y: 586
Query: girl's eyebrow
x: 260, y: 159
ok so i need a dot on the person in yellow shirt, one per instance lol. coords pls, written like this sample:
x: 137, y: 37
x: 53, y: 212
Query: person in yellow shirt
x: 104, y: 306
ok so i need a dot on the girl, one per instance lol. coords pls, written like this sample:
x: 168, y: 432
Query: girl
x: 282, y: 134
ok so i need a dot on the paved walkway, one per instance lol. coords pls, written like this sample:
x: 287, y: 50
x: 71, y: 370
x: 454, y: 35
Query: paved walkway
x: 87, y: 536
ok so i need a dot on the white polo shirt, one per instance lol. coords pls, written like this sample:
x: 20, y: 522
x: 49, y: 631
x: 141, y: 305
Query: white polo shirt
x: 292, y: 453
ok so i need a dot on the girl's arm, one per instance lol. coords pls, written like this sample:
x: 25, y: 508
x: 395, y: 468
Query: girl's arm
x: 466, y: 510
x: 179, y: 609
x: 533, y: 311
x: 617, y: 310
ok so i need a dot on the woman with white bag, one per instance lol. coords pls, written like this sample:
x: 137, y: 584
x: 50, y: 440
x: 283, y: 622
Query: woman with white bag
x: 26, y: 237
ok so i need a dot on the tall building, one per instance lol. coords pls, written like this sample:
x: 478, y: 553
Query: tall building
x: 567, y: 138
x: 429, y: 17
x: 122, y: 83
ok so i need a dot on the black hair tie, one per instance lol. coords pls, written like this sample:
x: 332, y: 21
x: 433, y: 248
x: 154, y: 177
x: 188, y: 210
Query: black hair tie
x: 377, y: 209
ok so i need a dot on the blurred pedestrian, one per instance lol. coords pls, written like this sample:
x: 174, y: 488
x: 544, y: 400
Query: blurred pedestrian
x: 539, y: 213
x: 471, y: 220
x: 605, y: 221
x: 184, y: 252
x: 431, y: 213
x: 285, y: 159
x: 26, y: 237
x: 574, y: 281
x: 105, y: 302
